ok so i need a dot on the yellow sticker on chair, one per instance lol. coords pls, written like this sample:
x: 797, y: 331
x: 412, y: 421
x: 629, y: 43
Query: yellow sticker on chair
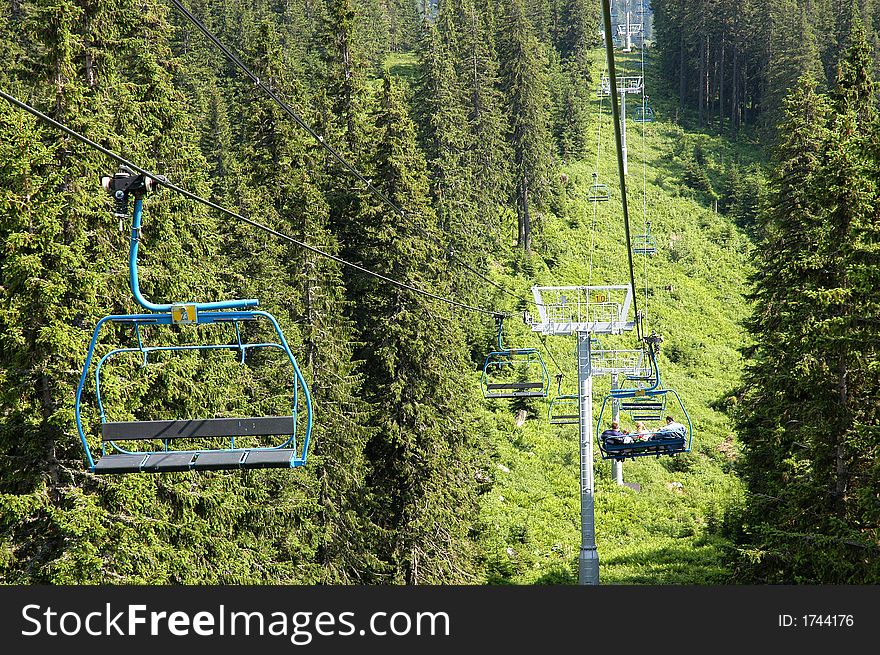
x: 639, y: 392
x: 183, y: 313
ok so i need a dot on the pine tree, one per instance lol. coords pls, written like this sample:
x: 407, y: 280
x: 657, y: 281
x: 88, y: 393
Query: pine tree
x: 525, y: 86
x: 281, y: 186
x: 793, y: 54
x: 371, y: 33
x: 421, y: 455
x: 343, y: 61
x: 443, y: 116
x: 577, y: 36
x: 807, y: 419
x: 779, y: 382
x: 343, y: 101
x: 850, y: 223
x: 404, y: 25
x: 579, y: 19
x: 488, y: 150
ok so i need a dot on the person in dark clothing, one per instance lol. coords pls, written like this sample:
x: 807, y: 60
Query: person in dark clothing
x: 615, y: 435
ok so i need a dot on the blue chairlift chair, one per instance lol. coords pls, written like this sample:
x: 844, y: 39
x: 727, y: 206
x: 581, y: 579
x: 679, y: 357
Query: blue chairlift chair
x: 208, y: 443
x: 644, y: 244
x: 644, y: 114
x: 661, y: 441
x: 598, y: 192
x: 564, y: 408
x: 514, y: 372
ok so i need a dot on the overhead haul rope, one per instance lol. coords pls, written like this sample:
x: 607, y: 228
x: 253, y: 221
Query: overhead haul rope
x: 334, y: 153
x: 615, y: 108
x: 598, y: 159
x: 208, y: 203
x: 644, y: 158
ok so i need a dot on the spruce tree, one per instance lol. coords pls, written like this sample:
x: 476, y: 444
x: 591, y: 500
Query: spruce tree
x: 422, y: 455
x: 779, y: 382
x: 807, y: 418
x: 488, y: 150
x: 578, y: 21
x: 283, y: 164
x: 793, y: 54
x: 343, y: 102
x: 525, y: 85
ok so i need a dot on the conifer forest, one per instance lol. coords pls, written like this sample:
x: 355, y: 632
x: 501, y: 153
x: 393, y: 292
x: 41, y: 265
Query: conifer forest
x: 397, y: 183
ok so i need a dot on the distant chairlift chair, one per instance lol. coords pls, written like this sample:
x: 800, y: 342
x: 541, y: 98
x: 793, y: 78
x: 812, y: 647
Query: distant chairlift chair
x: 564, y: 408
x: 209, y: 443
x: 598, y: 192
x: 514, y: 372
x: 645, y: 244
x: 644, y: 114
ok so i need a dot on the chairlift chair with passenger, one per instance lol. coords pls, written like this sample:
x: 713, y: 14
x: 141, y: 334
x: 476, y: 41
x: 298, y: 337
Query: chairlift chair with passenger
x: 659, y: 441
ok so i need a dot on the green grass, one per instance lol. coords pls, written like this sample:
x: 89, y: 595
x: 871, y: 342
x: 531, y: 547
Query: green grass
x: 665, y: 533
x: 404, y: 65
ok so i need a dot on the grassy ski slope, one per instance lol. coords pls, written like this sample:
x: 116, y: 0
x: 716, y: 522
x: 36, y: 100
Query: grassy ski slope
x: 668, y: 532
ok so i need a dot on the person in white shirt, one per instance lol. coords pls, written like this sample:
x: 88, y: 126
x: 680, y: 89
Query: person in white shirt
x: 674, y: 427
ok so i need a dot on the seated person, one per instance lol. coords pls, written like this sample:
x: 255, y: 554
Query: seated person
x: 672, y: 430
x: 615, y: 435
x: 642, y: 432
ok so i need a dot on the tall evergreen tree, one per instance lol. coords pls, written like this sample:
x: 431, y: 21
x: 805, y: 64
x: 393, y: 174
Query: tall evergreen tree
x: 578, y: 36
x: 793, y: 54
x: 478, y: 72
x: 808, y: 423
x: 422, y: 456
x: 780, y: 380
x: 525, y: 85
x: 283, y: 164
x: 443, y: 117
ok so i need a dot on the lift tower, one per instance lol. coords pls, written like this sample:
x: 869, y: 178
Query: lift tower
x: 632, y: 85
x: 584, y: 311
x: 627, y: 29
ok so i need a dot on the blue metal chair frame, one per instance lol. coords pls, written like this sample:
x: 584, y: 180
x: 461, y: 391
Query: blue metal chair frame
x: 644, y: 244
x: 644, y: 114
x: 643, y: 408
x: 598, y: 191
x: 562, y: 406
x: 655, y: 446
x: 229, y: 311
x: 523, y: 358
